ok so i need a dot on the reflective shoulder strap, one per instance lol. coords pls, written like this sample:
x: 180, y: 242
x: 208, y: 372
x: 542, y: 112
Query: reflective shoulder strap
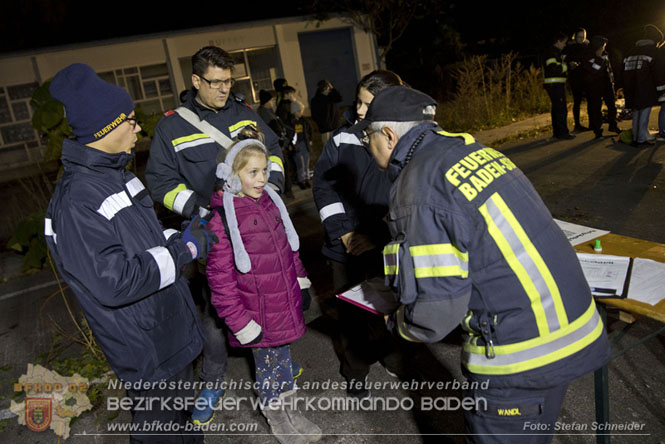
x: 205, y: 127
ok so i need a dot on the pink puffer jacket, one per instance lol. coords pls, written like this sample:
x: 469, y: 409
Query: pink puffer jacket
x: 269, y: 293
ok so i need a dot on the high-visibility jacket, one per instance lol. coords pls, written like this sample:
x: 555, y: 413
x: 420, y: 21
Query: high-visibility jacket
x: 109, y: 247
x: 180, y: 172
x: 474, y: 243
x: 556, y: 69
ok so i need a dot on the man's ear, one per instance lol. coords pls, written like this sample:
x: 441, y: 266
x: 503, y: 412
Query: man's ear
x: 391, y: 135
x: 196, y: 81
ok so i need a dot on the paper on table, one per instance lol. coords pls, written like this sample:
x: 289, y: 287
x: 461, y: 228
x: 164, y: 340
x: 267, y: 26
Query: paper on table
x: 578, y: 234
x: 372, y: 295
x: 605, y: 274
x: 647, y: 282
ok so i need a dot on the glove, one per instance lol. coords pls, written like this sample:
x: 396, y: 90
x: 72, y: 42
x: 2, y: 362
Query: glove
x: 198, y: 239
x: 257, y: 340
x: 306, y: 298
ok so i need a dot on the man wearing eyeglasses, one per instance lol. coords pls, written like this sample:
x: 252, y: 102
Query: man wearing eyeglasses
x: 181, y: 167
x: 180, y: 174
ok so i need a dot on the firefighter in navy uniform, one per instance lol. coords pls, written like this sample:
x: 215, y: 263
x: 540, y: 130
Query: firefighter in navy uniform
x: 181, y: 167
x: 125, y: 271
x: 599, y: 85
x: 556, y: 72
x: 474, y: 243
x: 574, y: 54
x: 180, y: 174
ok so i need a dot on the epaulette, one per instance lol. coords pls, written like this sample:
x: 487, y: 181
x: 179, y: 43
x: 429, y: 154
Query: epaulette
x: 169, y: 113
x: 240, y: 98
x: 468, y: 138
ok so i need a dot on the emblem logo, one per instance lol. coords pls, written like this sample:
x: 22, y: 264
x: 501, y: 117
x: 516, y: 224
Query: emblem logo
x: 38, y: 413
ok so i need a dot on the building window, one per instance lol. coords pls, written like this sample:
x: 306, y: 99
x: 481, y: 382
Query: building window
x: 149, y: 86
x: 19, y: 142
x: 255, y: 70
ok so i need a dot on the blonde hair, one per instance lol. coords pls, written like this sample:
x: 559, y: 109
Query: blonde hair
x: 243, y: 156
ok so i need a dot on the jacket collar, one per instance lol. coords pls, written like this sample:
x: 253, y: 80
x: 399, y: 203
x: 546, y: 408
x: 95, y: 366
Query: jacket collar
x: 76, y: 155
x: 349, y: 116
x: 398, y: 157
x: 216, y: 200
x: 203, y: 112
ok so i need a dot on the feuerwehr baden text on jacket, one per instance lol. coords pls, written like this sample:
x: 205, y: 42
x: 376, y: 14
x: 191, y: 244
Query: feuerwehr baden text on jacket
x: 473, y: 242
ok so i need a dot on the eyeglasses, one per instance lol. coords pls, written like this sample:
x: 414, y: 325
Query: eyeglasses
x: 217, y: 84
x: 132, y: 121
x: 364, y: 139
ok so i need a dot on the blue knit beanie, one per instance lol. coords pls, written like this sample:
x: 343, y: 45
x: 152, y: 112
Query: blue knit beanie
x: 93, y: 107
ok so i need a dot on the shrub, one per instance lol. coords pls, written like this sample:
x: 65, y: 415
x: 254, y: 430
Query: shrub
x: 492, y: 93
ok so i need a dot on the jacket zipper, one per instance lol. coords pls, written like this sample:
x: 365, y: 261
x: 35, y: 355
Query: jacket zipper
x: 286, y: 284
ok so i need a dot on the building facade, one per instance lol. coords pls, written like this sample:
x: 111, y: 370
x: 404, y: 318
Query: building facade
x: 154, y: 69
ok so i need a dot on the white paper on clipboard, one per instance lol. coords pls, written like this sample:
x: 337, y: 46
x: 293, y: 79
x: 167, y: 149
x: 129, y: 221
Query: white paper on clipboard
x: 371, y: 295
x: 648, y: 281
x: 605, y: 274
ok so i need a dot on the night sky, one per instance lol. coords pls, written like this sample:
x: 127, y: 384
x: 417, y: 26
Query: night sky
x: 454, y: 28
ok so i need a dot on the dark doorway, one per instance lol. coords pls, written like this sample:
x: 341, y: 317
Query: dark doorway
x: 329, y: 55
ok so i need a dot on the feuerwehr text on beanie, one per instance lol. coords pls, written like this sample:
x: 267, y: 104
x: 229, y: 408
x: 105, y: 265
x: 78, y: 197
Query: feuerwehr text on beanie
x: 93, y: 107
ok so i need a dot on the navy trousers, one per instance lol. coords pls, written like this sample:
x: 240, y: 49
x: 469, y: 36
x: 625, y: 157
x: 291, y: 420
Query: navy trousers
x: 513, y: 416
x: 557, y: 93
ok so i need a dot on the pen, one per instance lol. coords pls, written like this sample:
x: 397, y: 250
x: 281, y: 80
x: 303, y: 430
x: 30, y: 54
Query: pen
x: 603, y: 290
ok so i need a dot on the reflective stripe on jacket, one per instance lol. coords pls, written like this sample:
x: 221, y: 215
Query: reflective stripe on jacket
x: 556, y: 69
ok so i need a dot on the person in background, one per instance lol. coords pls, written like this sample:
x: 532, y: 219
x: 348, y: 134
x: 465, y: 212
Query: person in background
x: 640, y: 82
x: 284, y: 105
x: 575, y: 52
x: 266, y: 111
x: 286, y: 116
x: 609, y: 96
x: 324, y: 108
x: 258, y: 282
x: 555, y: 84
x: 125, y: 271
x: 279, y: 85
x: 303, y: 131
x: 660, y: 70
x: 352, y: 194
x: 599, y: 85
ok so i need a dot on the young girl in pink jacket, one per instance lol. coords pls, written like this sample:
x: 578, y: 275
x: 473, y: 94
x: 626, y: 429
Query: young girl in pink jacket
x: 256, y: 278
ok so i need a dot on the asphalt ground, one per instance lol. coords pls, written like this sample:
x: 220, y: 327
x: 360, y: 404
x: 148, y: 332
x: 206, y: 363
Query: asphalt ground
x: 597, y: 183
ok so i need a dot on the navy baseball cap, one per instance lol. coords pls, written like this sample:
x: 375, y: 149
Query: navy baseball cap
x: 396, y: 104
